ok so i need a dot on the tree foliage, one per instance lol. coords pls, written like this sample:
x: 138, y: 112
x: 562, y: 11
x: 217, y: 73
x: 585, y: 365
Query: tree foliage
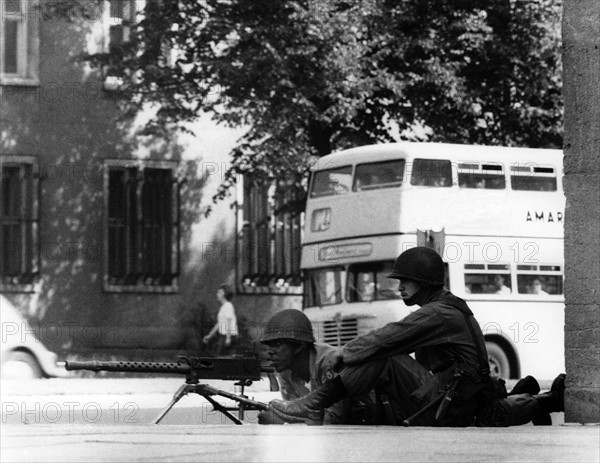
x: 307, y: 77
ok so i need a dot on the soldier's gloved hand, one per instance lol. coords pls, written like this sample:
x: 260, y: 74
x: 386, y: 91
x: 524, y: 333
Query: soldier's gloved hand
x: 268, y: 417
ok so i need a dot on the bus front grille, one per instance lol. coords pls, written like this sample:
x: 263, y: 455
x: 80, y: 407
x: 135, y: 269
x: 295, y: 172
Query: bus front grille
x: 339, y: 332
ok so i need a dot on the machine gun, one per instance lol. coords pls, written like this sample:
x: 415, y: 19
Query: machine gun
x: 241, y: 369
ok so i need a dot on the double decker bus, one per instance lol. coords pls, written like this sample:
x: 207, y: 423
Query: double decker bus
x: 495, y: 215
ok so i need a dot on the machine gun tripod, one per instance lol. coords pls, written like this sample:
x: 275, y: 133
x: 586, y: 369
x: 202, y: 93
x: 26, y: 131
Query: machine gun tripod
x: 241, y: 369
x: 207, y: 392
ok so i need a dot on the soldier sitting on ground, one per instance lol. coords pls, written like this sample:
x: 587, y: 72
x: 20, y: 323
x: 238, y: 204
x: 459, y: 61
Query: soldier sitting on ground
x: 450, y: 365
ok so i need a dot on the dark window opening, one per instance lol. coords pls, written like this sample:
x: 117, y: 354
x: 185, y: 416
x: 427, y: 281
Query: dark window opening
x: 143, y: 227
x: 19, y: 225
x: 532, y: 178
x: 486, y: 176
x: 377, y: 175
x: 431, y: 172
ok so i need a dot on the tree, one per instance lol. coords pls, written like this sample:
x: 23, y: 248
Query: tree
x: 311, y: 76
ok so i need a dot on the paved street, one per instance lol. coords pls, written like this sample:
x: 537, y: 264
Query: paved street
x: 109, y: 420
x: 297, y: 443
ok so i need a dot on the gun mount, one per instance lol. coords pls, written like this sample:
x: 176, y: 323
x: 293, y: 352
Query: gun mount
x: 241, y: 369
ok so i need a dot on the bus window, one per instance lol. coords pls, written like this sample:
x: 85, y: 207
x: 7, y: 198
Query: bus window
x: 369, y: 282
x: 532, y: 178
x: 431, y: 172
x: 542, y: 280
x: 376, y: 175
x: 487, y: 279
x: 475, y: 175
x: 324, y: 287
x: 331, y: 182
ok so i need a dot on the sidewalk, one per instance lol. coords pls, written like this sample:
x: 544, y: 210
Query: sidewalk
x: 46, y: 441
x: 117, y: 401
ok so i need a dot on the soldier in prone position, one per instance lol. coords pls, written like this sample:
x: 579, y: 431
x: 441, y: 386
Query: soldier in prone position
x: 446, y: 384
x: 303, y: 365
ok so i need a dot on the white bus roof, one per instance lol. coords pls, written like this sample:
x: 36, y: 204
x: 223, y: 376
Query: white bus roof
x: 453, y: 152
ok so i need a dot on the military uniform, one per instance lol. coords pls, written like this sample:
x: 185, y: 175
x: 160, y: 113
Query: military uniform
x: 356, y: 410
x: 439, y: 335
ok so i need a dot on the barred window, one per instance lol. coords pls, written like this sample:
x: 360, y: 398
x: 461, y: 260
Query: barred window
x: 142, y: 230
x: 19, y: 223
x: 287, y: 230
x: 269, y: 240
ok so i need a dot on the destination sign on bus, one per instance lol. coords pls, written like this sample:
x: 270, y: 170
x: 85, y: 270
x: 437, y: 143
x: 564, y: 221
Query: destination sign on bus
x: 345, y: 251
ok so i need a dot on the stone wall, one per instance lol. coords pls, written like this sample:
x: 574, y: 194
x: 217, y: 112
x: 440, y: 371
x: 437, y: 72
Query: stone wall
x: 581, y: 41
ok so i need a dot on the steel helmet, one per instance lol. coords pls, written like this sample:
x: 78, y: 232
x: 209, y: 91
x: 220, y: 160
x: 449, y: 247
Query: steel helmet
x: 420, y: 264
x: 289, y: 324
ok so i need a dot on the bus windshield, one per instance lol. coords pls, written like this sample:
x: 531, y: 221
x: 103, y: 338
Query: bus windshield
x: 369, y: 282
x: 331, y: 182
x: 324, y: 286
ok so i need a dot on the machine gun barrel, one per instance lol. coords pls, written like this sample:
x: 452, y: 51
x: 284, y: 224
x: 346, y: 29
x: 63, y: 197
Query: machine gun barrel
x: 225, y: 368
x: 132, y: 367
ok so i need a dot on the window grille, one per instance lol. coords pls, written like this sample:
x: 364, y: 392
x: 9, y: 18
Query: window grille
x: 142, y: 236
x: 19, y: 223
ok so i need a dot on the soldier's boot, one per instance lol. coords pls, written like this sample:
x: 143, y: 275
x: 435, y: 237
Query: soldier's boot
x: 552, y: 401
x: 310, y: 408
x: 527, y: 385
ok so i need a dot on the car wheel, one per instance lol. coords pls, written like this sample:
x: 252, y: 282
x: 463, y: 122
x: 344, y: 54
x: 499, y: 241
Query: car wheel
x: 21, y: 365
x: 499, y: 364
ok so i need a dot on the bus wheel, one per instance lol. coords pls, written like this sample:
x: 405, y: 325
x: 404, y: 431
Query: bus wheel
x: 499, y: 364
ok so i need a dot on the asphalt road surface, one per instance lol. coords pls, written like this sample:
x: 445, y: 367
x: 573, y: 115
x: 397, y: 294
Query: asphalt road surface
x: 101, y: 419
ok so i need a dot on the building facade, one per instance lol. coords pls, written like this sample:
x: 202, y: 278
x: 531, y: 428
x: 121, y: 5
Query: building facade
x: 105, y: 245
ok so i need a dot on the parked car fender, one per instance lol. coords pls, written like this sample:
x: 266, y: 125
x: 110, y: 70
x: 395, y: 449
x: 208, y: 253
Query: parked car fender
x: 22, y: 354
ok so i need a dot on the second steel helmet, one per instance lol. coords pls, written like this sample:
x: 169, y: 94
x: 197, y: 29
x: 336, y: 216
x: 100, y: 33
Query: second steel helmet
x: 289, y: 324
x: 421, y: 264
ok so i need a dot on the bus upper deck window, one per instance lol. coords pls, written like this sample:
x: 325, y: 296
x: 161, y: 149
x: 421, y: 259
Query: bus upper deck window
x: 476, y: 175
x: 431, y: 172
x: 331, y: 182
x: 376, y: 175
x: 532, y: 178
